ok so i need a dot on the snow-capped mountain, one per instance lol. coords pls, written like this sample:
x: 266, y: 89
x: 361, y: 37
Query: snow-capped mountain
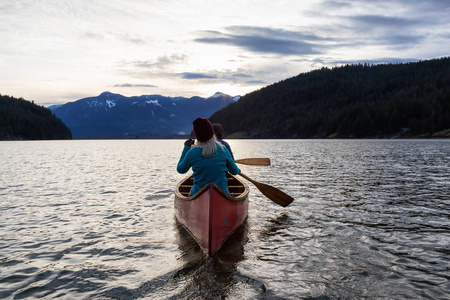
x: 115, y: 115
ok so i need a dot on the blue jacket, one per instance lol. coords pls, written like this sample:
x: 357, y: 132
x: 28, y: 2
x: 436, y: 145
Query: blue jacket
x: 207, y: 170
x: 226, y: 145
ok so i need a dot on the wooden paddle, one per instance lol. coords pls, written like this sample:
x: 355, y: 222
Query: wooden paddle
x: 271, y: 192
x: 254, y: 161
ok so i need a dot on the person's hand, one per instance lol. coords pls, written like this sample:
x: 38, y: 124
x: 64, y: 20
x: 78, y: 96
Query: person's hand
x: 189, y: 143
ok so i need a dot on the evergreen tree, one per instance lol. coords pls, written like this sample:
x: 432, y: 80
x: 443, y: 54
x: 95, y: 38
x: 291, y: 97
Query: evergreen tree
x: 21, y: 119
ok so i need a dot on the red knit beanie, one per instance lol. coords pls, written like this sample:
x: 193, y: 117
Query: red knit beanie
x: 203, y: 129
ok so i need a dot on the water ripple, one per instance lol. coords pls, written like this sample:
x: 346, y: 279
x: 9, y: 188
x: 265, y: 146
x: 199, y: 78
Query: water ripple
x: 94, y: 220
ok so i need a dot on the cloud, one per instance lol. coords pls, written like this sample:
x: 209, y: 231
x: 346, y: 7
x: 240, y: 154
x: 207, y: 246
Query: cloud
x: 161, y: 62
x: 348, y: 32
x: 335, y: 4
x: 132, y: 40
x: 192, y: 75
x: 402, y: 41
x: 130, y: 85
x: 413, y: 4
x: 128, y: 38
x: 240, y: 76
x: 93, y: 35
x: 393, y: 32
x: 253, y: 82
x: 161, y: 67
x: 375, y: 21
x: 391, y: 24
x: 265, y: 40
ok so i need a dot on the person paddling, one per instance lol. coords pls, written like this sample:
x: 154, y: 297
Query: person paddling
x: 218, y: 131
x: 209, y: 159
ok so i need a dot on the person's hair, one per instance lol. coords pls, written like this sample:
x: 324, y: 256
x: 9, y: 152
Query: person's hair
x: 209, y: 148
x: 218, y: 130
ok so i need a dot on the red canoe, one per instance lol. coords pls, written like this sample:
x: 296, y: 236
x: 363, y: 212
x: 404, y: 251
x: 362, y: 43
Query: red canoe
x: 211, y: 216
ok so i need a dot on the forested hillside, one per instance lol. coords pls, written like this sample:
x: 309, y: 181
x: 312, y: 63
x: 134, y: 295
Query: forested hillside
x: 353, y: 101
x: 21, y: 119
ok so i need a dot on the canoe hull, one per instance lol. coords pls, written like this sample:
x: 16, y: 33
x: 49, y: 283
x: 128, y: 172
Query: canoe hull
x: 211, y: 216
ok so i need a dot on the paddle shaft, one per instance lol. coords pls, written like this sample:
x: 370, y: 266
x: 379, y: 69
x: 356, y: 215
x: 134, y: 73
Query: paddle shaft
x: 271, y: 192
x: 254, y: 161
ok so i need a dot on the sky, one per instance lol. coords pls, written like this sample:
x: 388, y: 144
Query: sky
x: 58, y: 51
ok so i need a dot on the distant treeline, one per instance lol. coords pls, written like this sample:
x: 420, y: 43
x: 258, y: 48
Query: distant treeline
x: 352, y: 101
x: 21, y: 119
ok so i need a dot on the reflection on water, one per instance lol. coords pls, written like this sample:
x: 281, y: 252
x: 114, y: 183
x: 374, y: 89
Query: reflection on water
x: 217, y: 277
x: 94, y: 219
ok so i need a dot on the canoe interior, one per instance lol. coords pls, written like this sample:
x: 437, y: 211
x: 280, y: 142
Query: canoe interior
x: 235, y: 186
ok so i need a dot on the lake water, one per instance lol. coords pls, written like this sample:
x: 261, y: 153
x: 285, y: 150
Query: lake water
x: 94, y: 220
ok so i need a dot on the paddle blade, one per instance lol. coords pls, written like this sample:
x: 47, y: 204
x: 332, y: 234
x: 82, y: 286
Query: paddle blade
x: 274, y: 194
x: 271, y: 192
x: 254, y: 161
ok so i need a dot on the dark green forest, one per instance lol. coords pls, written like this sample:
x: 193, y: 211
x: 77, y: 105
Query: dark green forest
x: 21, y: 119
x: 352, y: 101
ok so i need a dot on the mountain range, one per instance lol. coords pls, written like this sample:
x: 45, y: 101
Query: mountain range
x: 110, y: 114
